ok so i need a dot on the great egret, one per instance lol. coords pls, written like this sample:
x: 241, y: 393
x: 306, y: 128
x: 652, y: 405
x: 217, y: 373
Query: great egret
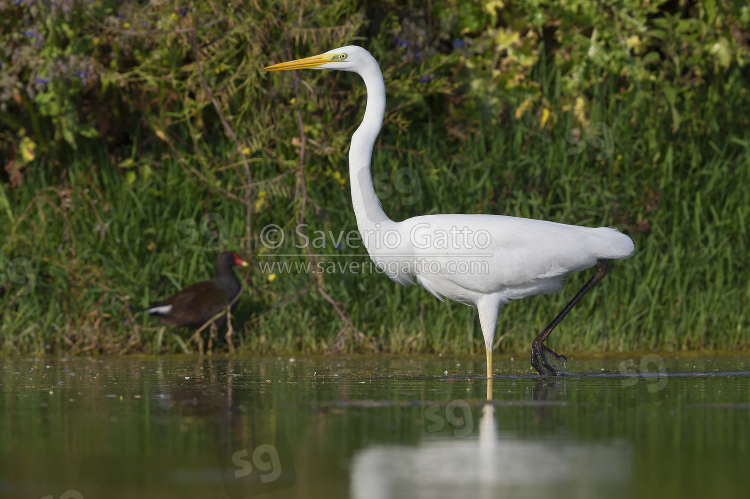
x: 514, y: 257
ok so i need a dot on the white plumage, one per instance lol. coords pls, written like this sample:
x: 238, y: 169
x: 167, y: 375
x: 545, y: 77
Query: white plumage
x: 159, y: 310
x: 480, y: 260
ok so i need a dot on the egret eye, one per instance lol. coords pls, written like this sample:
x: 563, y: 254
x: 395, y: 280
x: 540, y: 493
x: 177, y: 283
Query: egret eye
x: 342, y: 56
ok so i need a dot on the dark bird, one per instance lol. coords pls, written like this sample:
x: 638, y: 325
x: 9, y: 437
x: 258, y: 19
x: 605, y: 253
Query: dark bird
x: 197, y: 304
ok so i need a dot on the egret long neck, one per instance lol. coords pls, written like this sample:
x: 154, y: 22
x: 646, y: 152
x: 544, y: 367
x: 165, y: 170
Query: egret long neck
x: 367, y: 209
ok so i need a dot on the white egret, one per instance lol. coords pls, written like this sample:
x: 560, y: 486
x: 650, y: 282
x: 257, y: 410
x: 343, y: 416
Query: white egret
x: 479, y: 260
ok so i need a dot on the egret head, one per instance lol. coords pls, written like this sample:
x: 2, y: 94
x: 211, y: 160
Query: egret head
x: 349, y: 58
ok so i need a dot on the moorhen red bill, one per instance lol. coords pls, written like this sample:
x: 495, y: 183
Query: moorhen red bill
x: 197, y: 304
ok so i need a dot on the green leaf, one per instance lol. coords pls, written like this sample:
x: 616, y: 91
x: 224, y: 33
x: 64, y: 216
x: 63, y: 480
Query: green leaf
x: 126, y: 163
x: 671, y: 94
x: 88, y: 131
x: 6, y: 205
x: 67, y: 134
x: 659, y: 34
x: 651, y: 58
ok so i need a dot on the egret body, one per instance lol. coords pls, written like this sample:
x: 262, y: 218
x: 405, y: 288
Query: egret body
x: 479, y: 260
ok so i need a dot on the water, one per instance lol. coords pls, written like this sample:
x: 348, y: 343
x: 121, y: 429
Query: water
x: 376, y: 427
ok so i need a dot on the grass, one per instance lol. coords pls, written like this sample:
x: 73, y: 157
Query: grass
x: 82, y: 252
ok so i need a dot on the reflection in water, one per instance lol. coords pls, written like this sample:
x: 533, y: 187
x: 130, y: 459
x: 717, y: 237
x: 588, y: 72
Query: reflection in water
x: 185, y: 428
x: 486, y: 465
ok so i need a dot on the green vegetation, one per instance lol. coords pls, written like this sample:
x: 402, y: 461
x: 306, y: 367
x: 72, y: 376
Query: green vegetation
x: 121, y: 182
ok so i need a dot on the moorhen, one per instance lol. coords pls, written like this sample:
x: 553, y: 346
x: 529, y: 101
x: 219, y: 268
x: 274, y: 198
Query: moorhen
x: 197, y: 304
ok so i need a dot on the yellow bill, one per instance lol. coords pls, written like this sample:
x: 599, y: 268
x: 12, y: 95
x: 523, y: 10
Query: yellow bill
x: 308, y: 62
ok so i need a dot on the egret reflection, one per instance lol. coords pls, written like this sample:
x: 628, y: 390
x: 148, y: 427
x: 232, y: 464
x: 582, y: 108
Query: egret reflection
x: 488, y: 463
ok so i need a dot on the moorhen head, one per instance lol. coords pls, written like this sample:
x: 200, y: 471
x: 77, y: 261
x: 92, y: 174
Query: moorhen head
x: 197, y: 304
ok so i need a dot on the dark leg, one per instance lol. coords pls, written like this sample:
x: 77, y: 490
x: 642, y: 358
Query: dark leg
x: 538, y: 348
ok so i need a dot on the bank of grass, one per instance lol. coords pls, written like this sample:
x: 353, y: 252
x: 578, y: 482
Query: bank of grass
x: 82, y: 253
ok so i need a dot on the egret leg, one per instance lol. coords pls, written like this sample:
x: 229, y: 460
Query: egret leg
x: 489, y: 373
x: 539, y: 350
x: 489, y: 307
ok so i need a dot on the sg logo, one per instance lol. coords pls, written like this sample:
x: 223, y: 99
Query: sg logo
x: 456, y: 413
x: 270, y: 468
x: 657, y: 377
x: 256, y: 466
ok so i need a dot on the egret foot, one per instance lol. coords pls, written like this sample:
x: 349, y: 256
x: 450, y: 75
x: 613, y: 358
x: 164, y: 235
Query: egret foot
x: 538, y: 348
x: 539, y: 359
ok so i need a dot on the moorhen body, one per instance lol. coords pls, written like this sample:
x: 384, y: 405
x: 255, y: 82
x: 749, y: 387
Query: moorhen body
x: 197, y: 304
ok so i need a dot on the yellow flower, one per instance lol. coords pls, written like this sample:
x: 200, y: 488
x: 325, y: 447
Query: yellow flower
x: 175, y: 17
x: 579, y: 111
x: 271, y: 277
x: 490, y: 7
x: 507, y: 38
x: 27, y: 149
x: 545, y: 116
x: 292, y: 101
x: 341, y: 180
x: 246, y: 151
x: 261, y: 200
x: 525, y: 105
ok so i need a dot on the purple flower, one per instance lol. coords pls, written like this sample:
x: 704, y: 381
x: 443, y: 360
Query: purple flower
x: 81, y: 74
x: 30, y: 34
x: 458, y: 43
x: 402, y: 43
x: 17, y: 2
x: 143, y: 23
x: 183, y: 13
x: 41, y: 81
x: 422, y: 79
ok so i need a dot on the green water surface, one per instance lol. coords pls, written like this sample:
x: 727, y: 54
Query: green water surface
x: 373, y: 427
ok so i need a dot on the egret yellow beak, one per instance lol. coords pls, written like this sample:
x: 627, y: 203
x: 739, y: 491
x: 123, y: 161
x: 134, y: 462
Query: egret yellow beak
x: 308, y: 62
